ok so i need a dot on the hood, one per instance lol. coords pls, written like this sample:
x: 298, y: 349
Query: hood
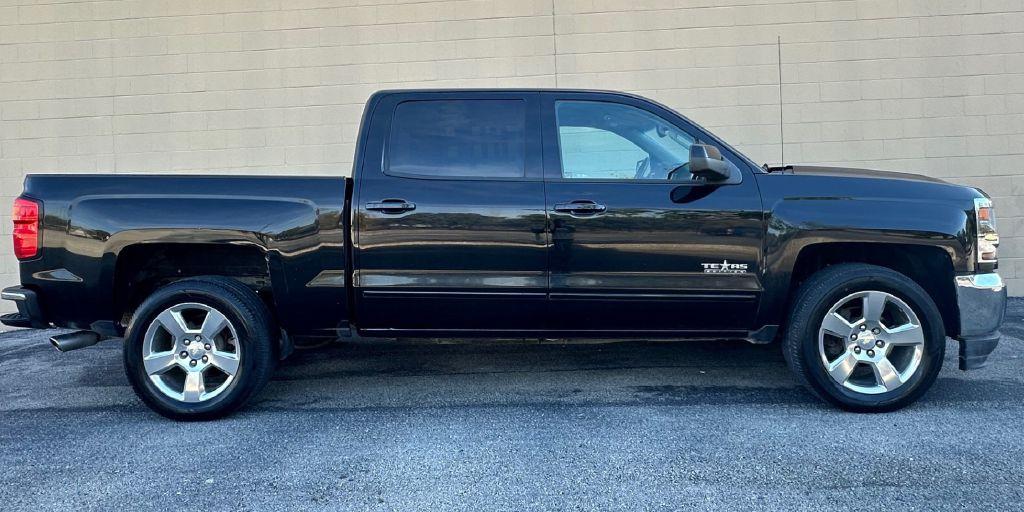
x: 847, y: 172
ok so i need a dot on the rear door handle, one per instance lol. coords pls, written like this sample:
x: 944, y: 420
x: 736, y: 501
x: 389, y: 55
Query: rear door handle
x: 580, y: 207
x: 391, y: 206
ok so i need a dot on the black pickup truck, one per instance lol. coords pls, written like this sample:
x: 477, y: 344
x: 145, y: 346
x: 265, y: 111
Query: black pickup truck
x: 516, y: 214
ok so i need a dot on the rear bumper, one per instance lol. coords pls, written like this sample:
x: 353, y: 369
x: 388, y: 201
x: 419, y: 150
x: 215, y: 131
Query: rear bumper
x: 29, y: 314
x: 982, y: 302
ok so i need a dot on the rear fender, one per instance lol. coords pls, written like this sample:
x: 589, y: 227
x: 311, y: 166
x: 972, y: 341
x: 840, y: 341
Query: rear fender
x: 286, y: 231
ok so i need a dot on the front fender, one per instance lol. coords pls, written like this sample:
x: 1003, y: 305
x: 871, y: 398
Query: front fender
x: 795, y: 224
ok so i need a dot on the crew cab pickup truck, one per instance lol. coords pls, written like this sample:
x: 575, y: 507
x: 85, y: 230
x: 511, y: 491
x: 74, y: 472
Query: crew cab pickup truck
x: 555, y: 214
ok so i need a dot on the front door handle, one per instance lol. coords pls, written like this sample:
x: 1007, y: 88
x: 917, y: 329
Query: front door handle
x: 581, y: 207
x: 391, y: 206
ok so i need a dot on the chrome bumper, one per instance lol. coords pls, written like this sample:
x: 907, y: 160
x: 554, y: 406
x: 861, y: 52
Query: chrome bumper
x: 28, y: 314
x: 981, y: 299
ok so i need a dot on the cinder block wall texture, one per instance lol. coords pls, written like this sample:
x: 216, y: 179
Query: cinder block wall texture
x: 277, y: 86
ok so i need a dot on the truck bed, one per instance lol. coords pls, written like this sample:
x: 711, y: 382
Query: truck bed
x: 283, y: 234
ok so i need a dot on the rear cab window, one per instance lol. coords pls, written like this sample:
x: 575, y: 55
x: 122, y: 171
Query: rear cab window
x: 458, y: 138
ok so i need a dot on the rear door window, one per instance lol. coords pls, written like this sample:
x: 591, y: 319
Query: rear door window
x: 458, y: 139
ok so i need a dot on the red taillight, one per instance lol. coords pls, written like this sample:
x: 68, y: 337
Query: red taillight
x: 26, y: 228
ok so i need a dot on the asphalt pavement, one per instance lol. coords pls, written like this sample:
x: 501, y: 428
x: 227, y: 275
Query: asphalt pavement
x: 389, y: 425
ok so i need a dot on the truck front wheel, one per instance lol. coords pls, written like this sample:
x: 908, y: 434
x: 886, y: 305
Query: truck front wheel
x: 199, y: 348
x: 865, y: 338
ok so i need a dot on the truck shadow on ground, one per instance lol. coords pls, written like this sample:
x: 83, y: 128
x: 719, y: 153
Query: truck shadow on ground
x: 370, y: 374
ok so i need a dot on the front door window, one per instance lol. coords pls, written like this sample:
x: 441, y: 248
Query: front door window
x: 610, y: 141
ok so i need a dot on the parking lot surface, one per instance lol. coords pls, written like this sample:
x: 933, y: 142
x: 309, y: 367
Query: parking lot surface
x: 389, y: 425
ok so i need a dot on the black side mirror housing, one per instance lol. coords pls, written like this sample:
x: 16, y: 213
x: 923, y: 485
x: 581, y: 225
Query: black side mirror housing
x: 708, y: 164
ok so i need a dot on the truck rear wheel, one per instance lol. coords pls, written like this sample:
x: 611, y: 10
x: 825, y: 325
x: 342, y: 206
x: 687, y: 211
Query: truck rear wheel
x: 864, y: 338
x: 199, y: 348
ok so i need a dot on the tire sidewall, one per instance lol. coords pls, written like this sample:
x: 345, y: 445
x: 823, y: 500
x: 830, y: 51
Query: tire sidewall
x: 240, y: 387
x: 931, y: 361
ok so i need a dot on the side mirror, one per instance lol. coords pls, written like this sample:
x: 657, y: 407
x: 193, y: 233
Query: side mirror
x: 707, y: 163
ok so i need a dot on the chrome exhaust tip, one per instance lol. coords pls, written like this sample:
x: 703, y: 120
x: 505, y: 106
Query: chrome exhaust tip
x: 74, y: 340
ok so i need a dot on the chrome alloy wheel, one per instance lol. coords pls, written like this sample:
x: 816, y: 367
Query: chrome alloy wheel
x: 191, y: 352
x: 871, y: 342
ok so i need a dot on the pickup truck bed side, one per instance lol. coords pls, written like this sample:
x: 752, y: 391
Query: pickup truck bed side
x: 285, y: 236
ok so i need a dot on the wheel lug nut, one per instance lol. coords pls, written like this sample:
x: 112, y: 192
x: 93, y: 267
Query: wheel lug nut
x: 863, y: 327
x: 876, y: 330
x: 192, y: 362
x: 198, y: 337
x: 206, y: 359
x: 208, y: 346
x: 871, y: 353
x: 853, y: 336
x: 856, y: 350
x: 879, y: 343
x: 187, y: 341
x: 184, y: 353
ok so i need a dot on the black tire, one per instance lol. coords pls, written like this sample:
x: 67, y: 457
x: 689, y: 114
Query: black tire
x: 256, y: 333
x: 814, y: 300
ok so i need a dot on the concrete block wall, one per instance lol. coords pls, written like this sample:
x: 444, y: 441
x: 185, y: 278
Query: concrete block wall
x: 277, y: 86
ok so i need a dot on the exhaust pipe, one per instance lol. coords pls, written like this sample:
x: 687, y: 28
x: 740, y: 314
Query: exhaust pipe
x: 74, y: 340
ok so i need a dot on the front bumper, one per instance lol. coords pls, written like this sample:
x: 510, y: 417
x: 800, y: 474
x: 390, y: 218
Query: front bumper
x: 982, y: 302
x: 29, y: 314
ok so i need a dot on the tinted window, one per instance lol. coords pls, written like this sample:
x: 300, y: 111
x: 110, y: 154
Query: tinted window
x: 601, y: 140
x: 459, y: 138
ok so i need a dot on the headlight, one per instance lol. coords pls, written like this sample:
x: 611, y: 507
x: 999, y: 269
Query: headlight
x: 988, y: 239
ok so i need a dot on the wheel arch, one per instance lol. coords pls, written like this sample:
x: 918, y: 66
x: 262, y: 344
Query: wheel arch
x: 142, y: 268
x: 929, y: 266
